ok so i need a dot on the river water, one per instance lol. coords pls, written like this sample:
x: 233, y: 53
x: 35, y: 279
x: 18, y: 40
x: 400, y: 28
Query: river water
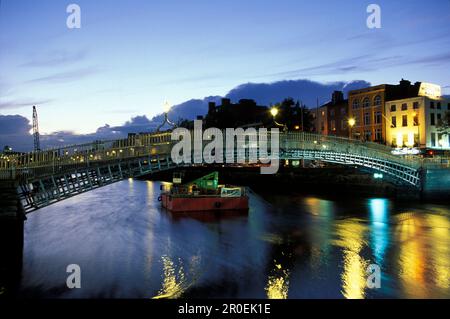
x: 286, y: 246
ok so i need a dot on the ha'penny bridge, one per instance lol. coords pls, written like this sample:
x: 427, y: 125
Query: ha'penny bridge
x: 34, y: 180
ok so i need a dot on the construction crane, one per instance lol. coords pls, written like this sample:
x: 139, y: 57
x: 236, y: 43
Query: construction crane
x: 37, y: 144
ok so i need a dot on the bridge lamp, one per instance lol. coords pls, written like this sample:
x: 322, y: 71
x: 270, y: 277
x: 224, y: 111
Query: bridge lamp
x: 166, y: 109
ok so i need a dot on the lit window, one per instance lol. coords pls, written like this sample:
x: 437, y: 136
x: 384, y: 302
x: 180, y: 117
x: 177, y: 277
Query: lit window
x: 394, y: 122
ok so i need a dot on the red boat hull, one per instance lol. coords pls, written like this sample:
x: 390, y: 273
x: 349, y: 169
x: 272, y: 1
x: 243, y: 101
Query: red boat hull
x: 206, y: 203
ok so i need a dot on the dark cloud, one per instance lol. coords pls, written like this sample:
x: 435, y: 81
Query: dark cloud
x: 15, y: 131
x: 305, y: 90
x: 14, y: 125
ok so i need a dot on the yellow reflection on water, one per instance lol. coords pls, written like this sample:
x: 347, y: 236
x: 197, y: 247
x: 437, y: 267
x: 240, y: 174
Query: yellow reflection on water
x: 351, y: 238
x: 278, y: 284
x: 173, y: 281
x: 440, y: 249
x: 319, y: 207
x: 409, y: 231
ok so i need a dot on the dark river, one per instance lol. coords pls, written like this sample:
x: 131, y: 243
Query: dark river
x: 299, y: 246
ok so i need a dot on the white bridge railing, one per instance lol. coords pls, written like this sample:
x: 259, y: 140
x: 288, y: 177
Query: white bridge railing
x: 65, y: 159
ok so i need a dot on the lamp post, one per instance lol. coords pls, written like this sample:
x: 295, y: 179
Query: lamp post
x: 351, y: 123
x: 274, y: 111
x: 166, y: 117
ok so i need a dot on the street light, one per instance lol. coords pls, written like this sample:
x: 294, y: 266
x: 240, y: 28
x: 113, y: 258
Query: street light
x: 351, y: 123
x: 274, y: 111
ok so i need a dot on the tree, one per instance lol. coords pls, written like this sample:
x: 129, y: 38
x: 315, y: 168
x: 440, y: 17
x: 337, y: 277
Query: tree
x: 295, y: 115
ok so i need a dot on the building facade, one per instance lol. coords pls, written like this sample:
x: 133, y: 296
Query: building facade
x: 332, y: 117
x: 367, y: 108
x: 414, y: 122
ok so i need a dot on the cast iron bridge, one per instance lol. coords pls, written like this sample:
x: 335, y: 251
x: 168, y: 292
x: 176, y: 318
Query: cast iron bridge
x: 49, y: 176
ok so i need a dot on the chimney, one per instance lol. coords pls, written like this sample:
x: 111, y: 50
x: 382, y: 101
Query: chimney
x: 337, y: 96
x: 211, y: 107
x: 405, y: 83
x: 226, y: 102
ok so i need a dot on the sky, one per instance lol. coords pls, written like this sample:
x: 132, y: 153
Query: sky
x: 130, y: 56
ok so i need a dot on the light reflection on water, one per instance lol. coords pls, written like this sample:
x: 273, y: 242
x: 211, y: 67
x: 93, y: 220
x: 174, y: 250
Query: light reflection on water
x: 285, y: 247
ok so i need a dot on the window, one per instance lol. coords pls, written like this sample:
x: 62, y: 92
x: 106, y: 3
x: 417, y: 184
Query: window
x: 433, y: 139
x: 439, y: 118
x: 415, y: 105
x: 394, y: 122
x: 378, y: 136
x: 368, y: 135
x: 404, y: 107
x: 377, y: 116
x: 394, y: 141
x: 366, y: 102
x: 355, y: 104
x: 393, y: 108
x: 439, y: 139
x: 438, y: 106
x: 432, y: 118
x: 377, y: 100
x: 333, y: 125
x: 405, y: 140
x: 416, y: 139
x: 405, y: 120
x: 416, y: 120
x: 431, y: 105
x: 331, y: 113
x: 366, y: 118
x: 343, y: 111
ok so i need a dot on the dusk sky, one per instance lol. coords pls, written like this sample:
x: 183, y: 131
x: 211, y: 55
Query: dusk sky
x: 130, y: 56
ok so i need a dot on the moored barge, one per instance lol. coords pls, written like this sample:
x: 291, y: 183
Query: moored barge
x: 204, y: 194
